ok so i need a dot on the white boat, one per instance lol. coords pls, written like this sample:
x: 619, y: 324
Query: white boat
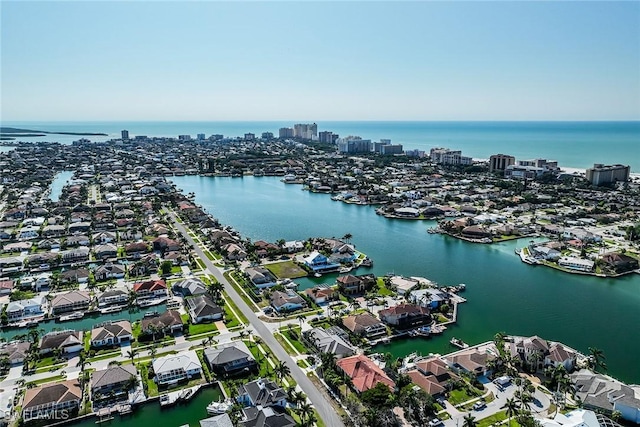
x: 151, y: 302
x: 344, y: 269
x: 114, y: 309
x: 458, y: 343
x: 72, y: 316
x: 165, y: 400
x: 216, y: 408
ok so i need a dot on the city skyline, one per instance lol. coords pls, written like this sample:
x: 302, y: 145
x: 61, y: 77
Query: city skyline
x: 326, y: 61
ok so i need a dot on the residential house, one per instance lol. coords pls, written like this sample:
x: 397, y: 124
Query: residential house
x: 79, y: 227
x: 319, y: 263
x: 54, y: 230
x: 105, y: 251
x: 260, y: 277
x: 76, y: 255
x: 429, y: 297
x: 222, y: 420
x: 403, y: 285
x: 473, y: 360
x: 287, y: 301
x: 136, y: 249
x: 16, y: 351
x: 115, y: 379
x: 431, y: 374
x: 168, y: 322
x: 109, y: 271
x: 234, y: 252
x: 74, y: 275
x: 10, y: 265
x: 165, y: 244
x: 405, y: 315
x: 189, y: 287
x: 150, y: 289
x: 351, y: 285
x: 173, y: 368
x: 132, y: 234
x: 6, y: 286
x: 202, y: 308
x: 560, y: 355
x: 262, y: 392
x: 67, y: 341
x: 327, y: 342
x: 113, y: 296
x: 321, y: 295
x: 619, y: 262
x: 266, y: 417
x: 25, y: 309
x: 111, y: 333
x: 77, y: 240
x: 70, y: 301
x: 605, y: 394
x: 365, y: 324
x: 364, y: 373
x: 230, y: 359
x: 45, y: 401
x: 104, y: 237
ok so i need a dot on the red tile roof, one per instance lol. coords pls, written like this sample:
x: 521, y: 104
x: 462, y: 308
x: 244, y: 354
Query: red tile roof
x: 364, y: 373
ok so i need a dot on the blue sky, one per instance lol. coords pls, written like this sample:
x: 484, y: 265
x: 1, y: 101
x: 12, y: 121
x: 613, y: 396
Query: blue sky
x: 320, y: 60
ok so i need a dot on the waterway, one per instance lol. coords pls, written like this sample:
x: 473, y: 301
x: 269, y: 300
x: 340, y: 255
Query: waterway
x: 150, y: 415
x: 58, y: 184
x: 503, y: 293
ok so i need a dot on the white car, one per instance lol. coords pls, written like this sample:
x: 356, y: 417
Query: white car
x: 435, y: 422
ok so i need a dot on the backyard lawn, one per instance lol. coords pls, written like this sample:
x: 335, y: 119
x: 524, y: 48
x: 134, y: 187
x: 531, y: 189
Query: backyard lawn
x: 461, y: 395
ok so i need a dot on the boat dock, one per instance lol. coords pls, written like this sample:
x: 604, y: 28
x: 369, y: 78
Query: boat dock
x: 174, y: 397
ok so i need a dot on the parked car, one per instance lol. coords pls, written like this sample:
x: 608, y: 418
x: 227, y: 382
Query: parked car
x: 435, y: 422
x: 479, y: 406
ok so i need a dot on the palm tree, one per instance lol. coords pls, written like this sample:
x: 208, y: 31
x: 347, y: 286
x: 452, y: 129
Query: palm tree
x: 347, y: 237
x: 82, y: 360
x: 131, y: 383
x: 512, y: 408
x: 281, y: 370
x: 153, y: 351
x: 301, y: 318
x: 131, y: 354
x: 215, y: 289
x: 596, y: 359
x: 470, y: 421
x: 305, y: 410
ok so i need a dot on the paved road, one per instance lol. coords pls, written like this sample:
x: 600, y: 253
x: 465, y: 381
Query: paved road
x: 318, y: 400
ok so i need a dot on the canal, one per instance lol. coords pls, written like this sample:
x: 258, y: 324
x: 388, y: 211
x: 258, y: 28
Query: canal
x: 58, y: 184
x: 503, y: 293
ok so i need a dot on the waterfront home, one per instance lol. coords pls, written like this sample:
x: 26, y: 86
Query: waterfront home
x: 147, y: 264
x: 202, y: 308
x: 230, y: 359
x: 189, y: 287
x: 365, y: 324
x: 619, y: 262
x: 429, y: 297
x: 472, y: 360
x: 403, y: 285
x: 605, y: 394
x: 293, y: 246
x: 319, y: 263
x: 544, y: 252
x: 364, y: 373
x: 576, y: 418
x: 286, y: 301
x: 578, y: 264
x: 405, y: 315
x: 25, y: 309
x: 48, y: 401
x: 260, y: 277
x: 16, y: 351
x: 328, y: 341
x: 113, y: 296
x: 560, y: 355
x: 172, y: 368
x: 352, y: 285
x: 266, y: 417
x: 262, y: 392
x: 70, y: 301
x: 6, y: 286
x: 116, y: 380
x: 111, y: 333
x: 10, y: 265
x: 168, y: 322
x: 109, y: 271
x: 150, y: 289
x: 264, y: 249
x: 222, y: 420
x: 67, y: 341
x: 428, y: 383
x: 80, y: 254
x: 321, y: 295
x: 107, y: 250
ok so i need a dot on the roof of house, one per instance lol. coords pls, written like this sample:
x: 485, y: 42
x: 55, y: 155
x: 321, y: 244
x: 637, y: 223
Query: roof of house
x: 267, y: 417
x: 111, y: 330
x: 203, y: 305
x: 222, y: 420
x: 165, y: 320
x: 112, y: 293
x: 149, y: 285
x: 16, y: 350
x: 318, y: 292
x: 59, y: 392
x: 112, y: 375
x: 227, y: 353
x: 432, y: 365
x: 263, y: 392
x: 278, y: 299
x: 359, y: 322
x: 429, y: 383
x: 364, y: 373
x: 404, y: 309
x: 190, y: 286
x: 559, y: 353
x: 72, y: 297
x: 60, y: 339
x: 327, y: 342
x: 471, y: 360
x: 186, y: 360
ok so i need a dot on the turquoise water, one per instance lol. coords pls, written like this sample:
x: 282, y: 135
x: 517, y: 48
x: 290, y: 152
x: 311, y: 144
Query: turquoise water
x: 504, y: 294
x: 150, y: 415
x: 58, y: 183
x: 572, y: 144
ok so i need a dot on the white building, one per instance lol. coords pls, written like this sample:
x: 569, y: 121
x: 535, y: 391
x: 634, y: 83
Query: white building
x: 176, y: 367
x: 575, y: 263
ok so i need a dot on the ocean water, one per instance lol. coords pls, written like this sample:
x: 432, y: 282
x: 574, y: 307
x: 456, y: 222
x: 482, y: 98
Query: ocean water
x: 572, y: 144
